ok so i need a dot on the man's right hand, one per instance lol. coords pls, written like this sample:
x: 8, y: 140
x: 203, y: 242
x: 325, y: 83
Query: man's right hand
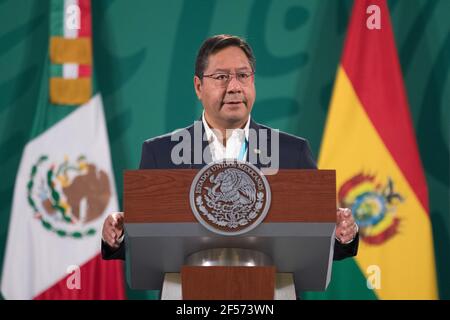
x: 113, y: 229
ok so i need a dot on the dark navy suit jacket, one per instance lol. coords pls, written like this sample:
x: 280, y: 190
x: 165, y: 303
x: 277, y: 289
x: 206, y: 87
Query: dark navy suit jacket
x: 294, y: 153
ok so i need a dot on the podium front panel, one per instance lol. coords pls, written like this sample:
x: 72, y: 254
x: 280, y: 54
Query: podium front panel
x: 304, y: 249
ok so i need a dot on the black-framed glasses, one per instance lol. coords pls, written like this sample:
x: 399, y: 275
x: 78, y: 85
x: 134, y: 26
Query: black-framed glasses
x: 222, y: 79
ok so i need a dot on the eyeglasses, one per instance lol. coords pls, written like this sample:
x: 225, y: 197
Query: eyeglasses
x: 222, y: 79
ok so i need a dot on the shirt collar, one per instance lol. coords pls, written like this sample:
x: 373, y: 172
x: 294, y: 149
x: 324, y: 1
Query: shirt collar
x: 210, y: 133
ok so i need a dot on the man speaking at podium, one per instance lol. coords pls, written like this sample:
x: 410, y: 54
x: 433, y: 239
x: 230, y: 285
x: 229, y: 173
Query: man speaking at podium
x: 224, y: 83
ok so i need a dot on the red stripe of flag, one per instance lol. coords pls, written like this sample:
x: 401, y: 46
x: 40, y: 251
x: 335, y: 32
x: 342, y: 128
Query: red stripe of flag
x: 84, y: 71
x: 375, y: 74
x: 99, y: 280
x: 85, y: 23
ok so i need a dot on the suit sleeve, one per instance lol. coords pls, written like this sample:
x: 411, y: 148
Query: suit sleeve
x: 148, y: 159
x: 341, y: 251
x: 109, y: 253
x: 306, y: 158
x: 147, y: 162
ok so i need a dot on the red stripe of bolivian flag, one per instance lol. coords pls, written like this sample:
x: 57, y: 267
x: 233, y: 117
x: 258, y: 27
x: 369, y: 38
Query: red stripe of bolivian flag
x: 369, y: 139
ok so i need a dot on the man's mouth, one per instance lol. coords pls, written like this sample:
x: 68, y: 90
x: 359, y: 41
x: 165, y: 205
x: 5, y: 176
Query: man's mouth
x: 233, y: 102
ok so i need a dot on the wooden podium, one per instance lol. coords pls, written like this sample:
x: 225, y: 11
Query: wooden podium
x: 297, y: 235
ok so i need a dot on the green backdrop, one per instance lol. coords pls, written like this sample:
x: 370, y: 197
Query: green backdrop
x: 144, y: 62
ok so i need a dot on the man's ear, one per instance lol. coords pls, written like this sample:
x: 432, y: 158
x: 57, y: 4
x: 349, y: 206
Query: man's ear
x: 198, y: 87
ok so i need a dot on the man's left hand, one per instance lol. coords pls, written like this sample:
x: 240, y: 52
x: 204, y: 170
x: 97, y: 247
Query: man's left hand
x: 346, y: 227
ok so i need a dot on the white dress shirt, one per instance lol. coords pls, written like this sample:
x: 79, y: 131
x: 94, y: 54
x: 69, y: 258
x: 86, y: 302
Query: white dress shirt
x: 234, y: 144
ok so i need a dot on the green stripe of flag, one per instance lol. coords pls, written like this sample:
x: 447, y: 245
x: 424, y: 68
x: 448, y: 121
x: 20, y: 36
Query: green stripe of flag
x: 56, y: 70
x: 57, y: 18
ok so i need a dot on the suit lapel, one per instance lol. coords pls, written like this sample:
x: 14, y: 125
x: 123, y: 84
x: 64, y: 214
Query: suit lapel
x: 197, y: 139
x: 256, y: 145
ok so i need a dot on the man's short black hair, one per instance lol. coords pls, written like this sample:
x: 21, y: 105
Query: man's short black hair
x: 219, y: 42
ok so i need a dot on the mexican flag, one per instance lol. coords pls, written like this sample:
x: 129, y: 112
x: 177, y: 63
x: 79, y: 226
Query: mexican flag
x: 369, y: 139
x: 65, y: 184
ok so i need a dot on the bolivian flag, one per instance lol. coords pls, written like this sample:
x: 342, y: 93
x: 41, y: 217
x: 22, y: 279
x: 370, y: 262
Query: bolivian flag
x: 369, y: 139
